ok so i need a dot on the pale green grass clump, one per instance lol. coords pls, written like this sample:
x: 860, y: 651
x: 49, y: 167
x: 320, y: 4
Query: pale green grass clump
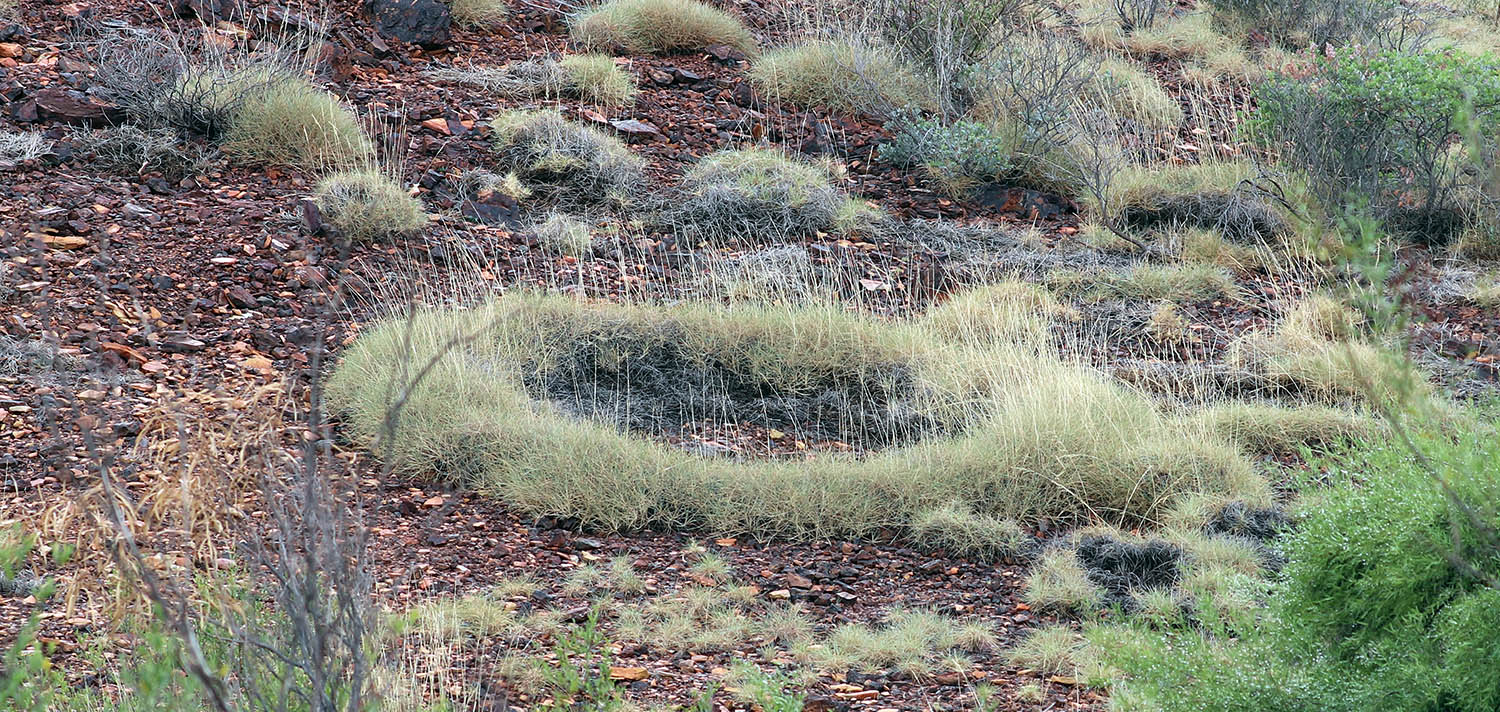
x: 1022, y: 435
x: 566, y: 235
x: 1317, y: 351
x: 1050, y: 650
x: 1264, y: 428
x: 292, y: 122
x: 842, y: 75
x: 962, y: 532
x: 478, y: 13
x: 759, y: 195
x: 366, y: 205
x: 1135, y: 95
x: 1059, y: 583
x: 652, y: 26
x: 596, y: 79
x: 1146, y: 281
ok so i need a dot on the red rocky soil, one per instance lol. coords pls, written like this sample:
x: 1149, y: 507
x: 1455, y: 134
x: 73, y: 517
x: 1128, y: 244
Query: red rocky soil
x: 154, y: 289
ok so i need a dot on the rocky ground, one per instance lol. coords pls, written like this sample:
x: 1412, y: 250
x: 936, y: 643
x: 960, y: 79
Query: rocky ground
x: 153, y: 288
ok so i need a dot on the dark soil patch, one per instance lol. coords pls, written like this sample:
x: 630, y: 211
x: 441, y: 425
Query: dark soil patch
x: 1120, y: 567
x: 659, y: 389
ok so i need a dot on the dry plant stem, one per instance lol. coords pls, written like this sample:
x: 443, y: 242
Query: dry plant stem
x: 173, y: 605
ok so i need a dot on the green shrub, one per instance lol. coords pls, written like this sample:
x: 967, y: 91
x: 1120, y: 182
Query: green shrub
x: 1384, y: 603
x: 958, y: 155
x: 658, y: 26
x: 843, y: 75
x: 1299, y: 23
x: 758, y: 196
x: 563, y: 160
x: 539, y: 409
x: 1378, y: 129
x: 289, y: 121
x: 366, y: 205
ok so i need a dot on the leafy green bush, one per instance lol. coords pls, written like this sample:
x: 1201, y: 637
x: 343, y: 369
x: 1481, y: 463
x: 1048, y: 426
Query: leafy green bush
x: 1390, y: 598
x: 757, y: 195
x: 958, y: 155
x: 1379, y: 128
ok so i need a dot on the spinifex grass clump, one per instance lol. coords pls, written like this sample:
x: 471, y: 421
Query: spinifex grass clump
x: 760, y: 196
x: 650, y: 26
x: 541, y: 407
x: 565, y: 160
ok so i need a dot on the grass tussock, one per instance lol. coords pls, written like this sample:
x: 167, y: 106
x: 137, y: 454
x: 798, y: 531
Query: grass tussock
x: 1264, y: 428
x: 1135, y: 95
x: 1145, y: 281
x: 564, y: 160
x: 956, y: 529
x: 1318, y: 351
x: 562, y: 234
x: 478, y: 13
x: 367, y: 206
x: 20, y: 146
x: 1059, y: 583
x: 546, y: 407
x: 658, y: 26
x: 592, y: 78
x: 845, y: 76
x: 758, y: 195
x: 292, y: 122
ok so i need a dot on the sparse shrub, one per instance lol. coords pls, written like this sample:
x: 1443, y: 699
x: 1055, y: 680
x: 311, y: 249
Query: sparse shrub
x: 574, y: 396
x: 958, y: 155
x: 958, y: 530
x: 562, y: 234
x: 1059, y: 583
x: 563, y: 160
x: 131, y: 150
x: 845, y: 75
x: 1299, y: 23
x: 478, y: 13
x: 1137, y: 14
x: 292, y: 122
x: 658, y: 26
x: 758, y: 196
x: 1378, y: 129
x: 951, y: 40
x: 20, y: 146
x: 366, y: 205
x: 1037, y: 82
